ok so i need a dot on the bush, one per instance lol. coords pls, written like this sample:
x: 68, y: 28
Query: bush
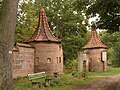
x: 113, y: 43
x: 116, y: 54
x: 71, y: 66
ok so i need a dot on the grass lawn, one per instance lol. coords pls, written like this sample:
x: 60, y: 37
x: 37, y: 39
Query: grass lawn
x: 118, y: 88
x: 108, y: 72
x: 67, y: 81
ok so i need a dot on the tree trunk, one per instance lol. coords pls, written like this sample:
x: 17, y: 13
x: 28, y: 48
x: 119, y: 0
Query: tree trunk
x: 7, y: 28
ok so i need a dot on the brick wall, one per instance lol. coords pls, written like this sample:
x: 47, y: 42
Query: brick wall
x: 23, y: 61
x: 90, y: 60
x: 83, y: 61
x: 48, y: 57
x: 95, y: 62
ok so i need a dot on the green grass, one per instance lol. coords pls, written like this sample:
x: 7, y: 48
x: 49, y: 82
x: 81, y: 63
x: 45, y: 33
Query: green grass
x: 110, y: 71
x: 68, y: 82
x: 118, y: 87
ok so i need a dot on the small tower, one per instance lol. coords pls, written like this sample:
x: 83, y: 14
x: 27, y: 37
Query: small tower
x: 96, y: 52
x: 48, y: 48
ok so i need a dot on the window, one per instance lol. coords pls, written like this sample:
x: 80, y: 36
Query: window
x: 60, y: 47
x: 37, y: 61
x: 104, y: 55
x: 59, y: 59
x: 48, y: 60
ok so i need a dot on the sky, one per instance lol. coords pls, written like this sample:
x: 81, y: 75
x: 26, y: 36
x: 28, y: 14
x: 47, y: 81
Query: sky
x: 93, y: 19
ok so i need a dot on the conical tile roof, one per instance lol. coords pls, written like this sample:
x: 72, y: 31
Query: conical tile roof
x: 94, y: 41
x: 43, y: 31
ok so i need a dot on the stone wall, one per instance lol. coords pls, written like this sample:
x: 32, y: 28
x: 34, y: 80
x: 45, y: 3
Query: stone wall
x: 91, y: 60
x: 83, y: 61
x: 95, y: 62
x: 23, y: 60
x: 48, y: 57
x: 44, y: 56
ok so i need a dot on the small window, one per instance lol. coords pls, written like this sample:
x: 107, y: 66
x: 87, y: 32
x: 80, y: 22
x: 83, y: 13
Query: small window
x: 60, y: 47
x: 37, y: 61
x: 48, y: 60
x: 59, y: 59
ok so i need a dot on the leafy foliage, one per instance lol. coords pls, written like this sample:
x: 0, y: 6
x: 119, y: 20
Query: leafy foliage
x: 113, y: 43
x: 71, y: 64
x: 116, y: 54
x: 26, y: 21
x: 109, y: 14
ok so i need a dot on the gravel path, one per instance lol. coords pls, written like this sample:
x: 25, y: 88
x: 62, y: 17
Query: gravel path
x: 104, y: 83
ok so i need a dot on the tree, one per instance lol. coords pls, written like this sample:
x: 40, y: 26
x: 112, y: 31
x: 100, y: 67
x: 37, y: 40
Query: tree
x: 113, y: 43
x: 108, y: 11
x: 116, y: 55
x: 65, y: 20
x: 7, y: 28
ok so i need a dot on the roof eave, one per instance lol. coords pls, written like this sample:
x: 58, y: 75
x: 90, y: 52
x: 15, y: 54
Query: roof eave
x: 105, y: 47
x: 44, y: 41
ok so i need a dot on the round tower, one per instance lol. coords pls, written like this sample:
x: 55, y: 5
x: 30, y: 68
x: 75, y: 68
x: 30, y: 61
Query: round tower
x: 48, y: 48
x: 96, y: 51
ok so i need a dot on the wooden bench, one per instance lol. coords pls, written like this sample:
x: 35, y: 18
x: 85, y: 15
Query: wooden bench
x: 35, y: 76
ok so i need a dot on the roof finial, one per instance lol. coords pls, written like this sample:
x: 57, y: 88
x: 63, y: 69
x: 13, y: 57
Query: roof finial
x: 42, y: 10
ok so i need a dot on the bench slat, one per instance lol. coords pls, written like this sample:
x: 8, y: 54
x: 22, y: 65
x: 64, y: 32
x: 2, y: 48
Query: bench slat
x: 36, y: 76
x: 36, y: 73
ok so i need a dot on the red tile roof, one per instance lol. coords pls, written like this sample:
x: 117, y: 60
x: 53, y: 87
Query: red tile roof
x: 94, y: 41
x: 15, y: 49
x: 43, y: 32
